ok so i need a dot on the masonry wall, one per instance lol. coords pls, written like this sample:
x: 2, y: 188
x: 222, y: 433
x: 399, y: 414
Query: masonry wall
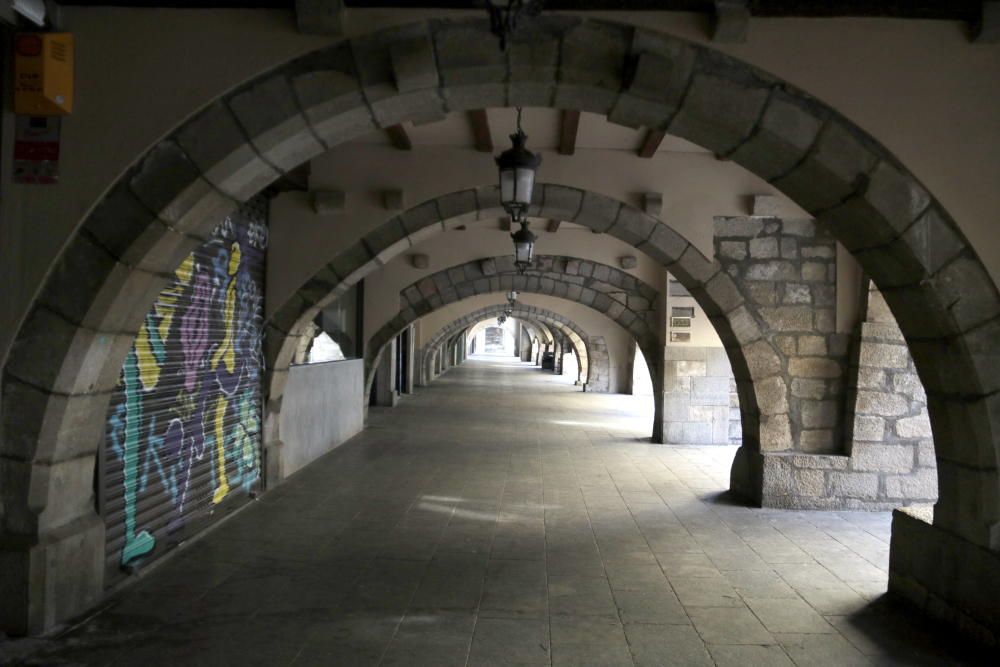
x: 787, y: 272
x: 698, y: 395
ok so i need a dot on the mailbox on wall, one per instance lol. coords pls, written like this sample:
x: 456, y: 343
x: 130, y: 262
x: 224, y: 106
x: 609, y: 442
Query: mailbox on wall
x: 43, y: 74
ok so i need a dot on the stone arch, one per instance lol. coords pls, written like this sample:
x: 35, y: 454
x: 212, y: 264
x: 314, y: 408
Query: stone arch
x: 68, y: 351
x: 580, y: 341
x: 618, y: 295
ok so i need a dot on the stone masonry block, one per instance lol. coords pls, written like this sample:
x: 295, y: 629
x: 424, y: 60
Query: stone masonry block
x: 217, y: 146
x: 598, y: 212
x: 918, y: 426
x: 269, y: 114
x: 741, y: 227
x: 788, y: 318
x: 853, y: 484
x: 592, y: 67
x: 633, y: 226
x: 331, y: 99
x: 814, y: 367
x: 878, y: 355
x: 534, y: 60
x: 881, y: 404
x: 831, y: 171
x: 764, y: 248
x: 868, y: 428
x: 819, y: 414
x: 413, y: 64
x: 773, y: 270
x: 699, y: 120
x: 796, y: 293
x: 664, y: 245
x: 882, y: 457
x: 785, y: 132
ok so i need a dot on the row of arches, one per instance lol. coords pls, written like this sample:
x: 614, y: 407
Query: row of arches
x: 69, y: 349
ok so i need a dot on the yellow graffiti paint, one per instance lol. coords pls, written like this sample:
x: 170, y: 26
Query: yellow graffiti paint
x: 149, y: 369
x: 226, y: 352
x: 222, y: 490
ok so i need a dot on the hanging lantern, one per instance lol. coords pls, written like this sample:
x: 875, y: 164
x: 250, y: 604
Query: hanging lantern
x: 511, y: 297
x: 524, y: 247
x: 517, y: 174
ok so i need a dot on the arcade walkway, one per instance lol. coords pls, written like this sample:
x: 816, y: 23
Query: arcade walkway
x: 500, y: 517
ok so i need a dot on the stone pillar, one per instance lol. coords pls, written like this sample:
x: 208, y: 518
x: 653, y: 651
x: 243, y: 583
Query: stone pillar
x: 52, y: 570
x: 891, y: 446
x: 598, y: 366
x: 385, y: 377
x: 785, y: 271
x: 412, y: 364
x: 945, y: 575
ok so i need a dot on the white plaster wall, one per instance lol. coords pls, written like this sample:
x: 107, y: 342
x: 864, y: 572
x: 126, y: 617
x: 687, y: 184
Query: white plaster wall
x: 323, y: 407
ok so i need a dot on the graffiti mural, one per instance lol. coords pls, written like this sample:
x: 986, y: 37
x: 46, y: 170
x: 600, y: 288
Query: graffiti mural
x: 184, y: 425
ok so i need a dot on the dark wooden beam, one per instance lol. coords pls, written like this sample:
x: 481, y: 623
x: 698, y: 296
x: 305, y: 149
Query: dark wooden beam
x: 481, y: 130
x: 567, y: 133
x: 651, y: 143
x: 399, y: 138
x: 553, y: 226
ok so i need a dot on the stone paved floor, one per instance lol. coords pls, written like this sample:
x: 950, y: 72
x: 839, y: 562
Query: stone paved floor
x: 500, y: 517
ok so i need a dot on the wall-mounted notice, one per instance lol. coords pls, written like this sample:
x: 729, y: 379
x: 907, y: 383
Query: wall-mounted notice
x: 680, y: 322
x: 36, y: 149
x: 680, y: 337
x: 682, y: 311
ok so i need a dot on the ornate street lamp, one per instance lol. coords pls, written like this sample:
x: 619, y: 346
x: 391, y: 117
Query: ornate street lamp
x: 524, y: 247
x: 511, y: 297
x: 517, y: 175
x: 505, y: 14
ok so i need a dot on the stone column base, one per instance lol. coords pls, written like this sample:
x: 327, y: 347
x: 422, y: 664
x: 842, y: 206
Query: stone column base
x: 52, y: 580
x: 944, y: 575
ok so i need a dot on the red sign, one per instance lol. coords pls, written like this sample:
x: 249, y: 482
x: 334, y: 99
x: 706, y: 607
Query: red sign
x: 36, y: 150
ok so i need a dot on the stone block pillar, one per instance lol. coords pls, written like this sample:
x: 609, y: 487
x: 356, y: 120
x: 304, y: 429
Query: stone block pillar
x: 785, y: 271
x: 52, y: 552
x: 890, y: 438
x: 385, y: 377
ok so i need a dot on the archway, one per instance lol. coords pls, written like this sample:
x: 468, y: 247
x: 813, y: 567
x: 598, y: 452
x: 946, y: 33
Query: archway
x: 69, y: 349
x: 592, y: 365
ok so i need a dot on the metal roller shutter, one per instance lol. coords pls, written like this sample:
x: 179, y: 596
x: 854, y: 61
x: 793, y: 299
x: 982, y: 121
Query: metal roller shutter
x: 183, y: 438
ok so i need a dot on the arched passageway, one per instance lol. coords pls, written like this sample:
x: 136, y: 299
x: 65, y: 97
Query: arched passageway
x: 590, y: 350
x: 63, y: 365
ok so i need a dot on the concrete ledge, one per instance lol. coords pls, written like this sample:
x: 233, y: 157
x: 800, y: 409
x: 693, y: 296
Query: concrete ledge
x: 944, y: 575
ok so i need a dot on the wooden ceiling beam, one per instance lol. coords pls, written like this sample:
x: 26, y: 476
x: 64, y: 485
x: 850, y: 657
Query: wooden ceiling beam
x: 567, y: 132
x: 481, y: 134
x: 652, y: 143
x: 399, y: 138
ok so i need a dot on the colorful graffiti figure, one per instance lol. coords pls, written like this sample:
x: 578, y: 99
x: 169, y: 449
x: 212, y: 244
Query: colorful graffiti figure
x: 188, y: 395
